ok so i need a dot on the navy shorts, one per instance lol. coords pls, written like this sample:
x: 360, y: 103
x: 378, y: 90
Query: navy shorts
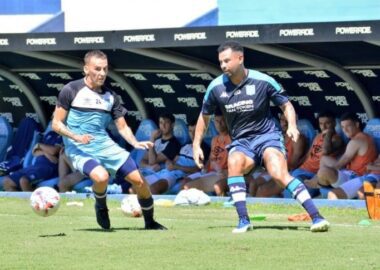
x: 255, y: 147
x: 34, y: 174
x: 128, y: 167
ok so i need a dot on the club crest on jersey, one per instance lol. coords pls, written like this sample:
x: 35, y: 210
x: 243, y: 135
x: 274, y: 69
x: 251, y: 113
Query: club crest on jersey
x: 250, y: 89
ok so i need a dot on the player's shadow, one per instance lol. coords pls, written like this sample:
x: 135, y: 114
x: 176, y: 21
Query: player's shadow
x: 266, y: 227
x: 53, y: 235
x: 113, y: 229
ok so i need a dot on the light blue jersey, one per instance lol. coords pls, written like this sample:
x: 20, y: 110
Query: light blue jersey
x: 90, y: 112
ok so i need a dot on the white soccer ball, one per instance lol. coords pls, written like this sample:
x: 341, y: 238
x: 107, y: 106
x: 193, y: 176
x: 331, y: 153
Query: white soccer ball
x: 45, y: 201
x: 130, y: 206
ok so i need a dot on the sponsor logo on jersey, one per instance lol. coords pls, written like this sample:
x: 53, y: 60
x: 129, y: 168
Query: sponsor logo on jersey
x: 240, y: 106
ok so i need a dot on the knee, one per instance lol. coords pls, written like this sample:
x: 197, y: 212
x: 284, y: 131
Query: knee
x: 62, y: 186
x: 326, y: 175
x: 234, y: 162
x: 218, y: 190
x: 24, y: 183
x: 101, y: 177
x: 332, y: 196
x: 8, y: 183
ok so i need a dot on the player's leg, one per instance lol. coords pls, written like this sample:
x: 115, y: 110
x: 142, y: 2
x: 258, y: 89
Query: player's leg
x: 159, y: 187
x: 221, y: 187
x: 205, y: 182
x: 269, y: 189
x: 100, y: 178
x: 25, y: 184
x: 327, y: 175
x: 276, y: 165
x: 140, y: 186
x: 9, y: 184
x: 239, y: 164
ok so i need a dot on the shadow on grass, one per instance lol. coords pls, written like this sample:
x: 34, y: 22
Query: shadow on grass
x: 111, y: 230
x: 53, y: 235
x: 275, y: 227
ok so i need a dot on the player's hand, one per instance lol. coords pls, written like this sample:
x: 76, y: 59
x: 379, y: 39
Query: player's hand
x: 312, y: 183
x: 155, y: 134
x: 328, y: 132
x: 143, y: 145
x: 293, y: 133
x: 198, y: 156
x: 85, y: 138
x: 169, y: 165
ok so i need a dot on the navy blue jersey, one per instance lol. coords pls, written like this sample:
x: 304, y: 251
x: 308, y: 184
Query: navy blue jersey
x: 245, y: 107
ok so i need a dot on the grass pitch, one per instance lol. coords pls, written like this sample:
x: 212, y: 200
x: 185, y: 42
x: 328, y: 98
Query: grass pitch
x: 198, y: 238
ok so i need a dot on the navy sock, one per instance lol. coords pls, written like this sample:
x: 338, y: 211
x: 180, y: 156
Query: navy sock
x: 300, y: 193
x: 147, y: 209
x: 101, y: 198
x: 238, y: 191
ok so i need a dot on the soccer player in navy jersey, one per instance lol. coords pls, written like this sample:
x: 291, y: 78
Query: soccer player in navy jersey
x: 244, y: 97
x: 83, y: 111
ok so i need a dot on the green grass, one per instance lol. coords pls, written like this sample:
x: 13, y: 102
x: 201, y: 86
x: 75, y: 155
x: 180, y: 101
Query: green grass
x: 198, y: 238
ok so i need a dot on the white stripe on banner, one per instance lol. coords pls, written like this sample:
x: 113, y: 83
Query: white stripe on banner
x: 303, y: 196
x: 238, y: 197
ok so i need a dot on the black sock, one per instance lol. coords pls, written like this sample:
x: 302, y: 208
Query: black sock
x: 101, y: 198
x: 147, y: 209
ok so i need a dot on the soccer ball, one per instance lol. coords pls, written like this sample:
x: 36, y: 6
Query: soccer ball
x: 45, y: 201
x: 130, y: 206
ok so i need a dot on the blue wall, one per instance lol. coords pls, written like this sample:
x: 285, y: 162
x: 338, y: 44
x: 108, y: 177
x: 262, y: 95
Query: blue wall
x: 13, y: 7
x: 292, y: 11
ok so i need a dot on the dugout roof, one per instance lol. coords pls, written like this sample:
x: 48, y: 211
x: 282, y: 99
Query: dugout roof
x: 332, y: 66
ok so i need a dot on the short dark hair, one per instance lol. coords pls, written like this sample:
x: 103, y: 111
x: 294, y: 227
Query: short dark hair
x: 233, y: 45
x: 349, y: 116
x: 94, y: 53
x: 327, y: 114
x: 167, y: 115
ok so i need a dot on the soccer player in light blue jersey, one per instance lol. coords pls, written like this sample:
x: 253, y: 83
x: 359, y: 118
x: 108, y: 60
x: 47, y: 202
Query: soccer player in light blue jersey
x: 244, y: 97
x: 83, y: 111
